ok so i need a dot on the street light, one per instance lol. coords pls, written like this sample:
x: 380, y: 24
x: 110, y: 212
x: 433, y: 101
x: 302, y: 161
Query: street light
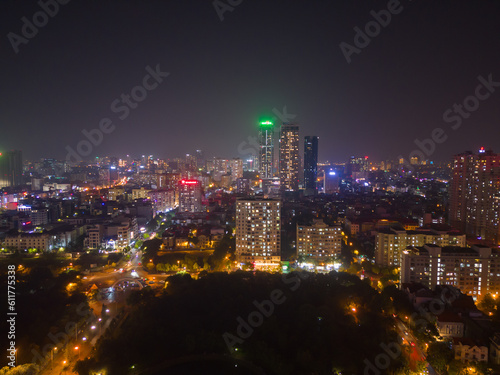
x: 78, y: 349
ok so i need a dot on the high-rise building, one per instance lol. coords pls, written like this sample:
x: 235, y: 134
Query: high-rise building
x: 319, y: 241
x: 236, y: 168
x: 258, y: 232
x: 475, y: 271
x: 191, y: 162
x: 310, y: 162
x: 475, y: 195
x: 289, y: 157
x: 190, y: 196
x: 11, y: 168
x: 266, y: 152
x: 331, y: 181
x: 200, y: 160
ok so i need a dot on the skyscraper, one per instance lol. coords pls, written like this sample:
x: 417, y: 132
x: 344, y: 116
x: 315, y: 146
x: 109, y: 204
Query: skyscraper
x: 258, y: 232
x: 289, y: 157
x: 266, y: 152
x: 475, y: 194
x: 11, y: 168
x: 310, y: 162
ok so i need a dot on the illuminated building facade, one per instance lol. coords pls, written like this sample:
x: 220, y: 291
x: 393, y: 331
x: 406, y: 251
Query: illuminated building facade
x: 310, y: 162
x: 189, y: 196
x: 11, y: 168
x: 319, y: 241
x: 236, y: 169
x: 266, y: 152
x: 331, y: 182
x: 475, y: 195
x: 475, y: 271
x: 258, y: 232
x: 289, y: 157
x: 390, y: 243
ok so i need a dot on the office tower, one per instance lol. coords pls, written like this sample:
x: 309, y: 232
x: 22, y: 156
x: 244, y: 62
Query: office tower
x: 236, y: 168
x: 289, y: 157
x: 11, y: 168
x: 191, y: 162
x: 200, y: 160
x: 258, y: 232
x: 319, y: 241
x: 189, y: 196
x: 475, y: 195
x: 266, y: 152
x: 475, y: 271
x: 310, y: 162
x: 331, y: 182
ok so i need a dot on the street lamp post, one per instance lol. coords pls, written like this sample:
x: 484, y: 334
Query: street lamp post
x: 77, y: 348
x: 52, y: 354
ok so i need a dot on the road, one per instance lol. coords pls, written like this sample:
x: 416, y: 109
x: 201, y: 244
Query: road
x: 416, y: 352
x: 81, y: 346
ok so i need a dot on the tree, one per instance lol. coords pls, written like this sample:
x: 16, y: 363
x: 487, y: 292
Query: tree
x: 160, y: 267
x: 26, y: 369
x: 439, y: 355
x: 487, y: 304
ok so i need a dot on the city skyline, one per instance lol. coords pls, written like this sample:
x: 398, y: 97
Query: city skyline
x: 250, y: 187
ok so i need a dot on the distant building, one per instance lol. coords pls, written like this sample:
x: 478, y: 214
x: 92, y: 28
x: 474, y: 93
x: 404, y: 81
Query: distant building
x: 331, y: 182
x: 289, y: 157
x: 94, y: 236
x: 163, y: 200
x: 310, y: 162
x: 318, y: 241
x: 266, y: 152
x: 189, y: 196
x: 39, y: 216
x: 258, y: 232
x: 475, y: 271
x: 11, y: 168
x: 357, y: 167
x: 141, y: 193
x: 236, y: 169
x: 475, y: 195
x: 225, y: 181
x: 115, y: 192
x: 242, y: 185
x: 390, y: 243
x: 25, y: 241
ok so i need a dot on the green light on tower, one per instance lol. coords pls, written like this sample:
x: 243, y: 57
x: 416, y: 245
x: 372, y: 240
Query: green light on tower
x: 266, y: 123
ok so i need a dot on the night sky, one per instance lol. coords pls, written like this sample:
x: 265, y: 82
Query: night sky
x: 226, y: 75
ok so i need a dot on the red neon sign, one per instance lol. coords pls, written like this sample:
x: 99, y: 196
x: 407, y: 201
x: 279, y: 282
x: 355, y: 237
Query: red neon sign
x: 189, y: 182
